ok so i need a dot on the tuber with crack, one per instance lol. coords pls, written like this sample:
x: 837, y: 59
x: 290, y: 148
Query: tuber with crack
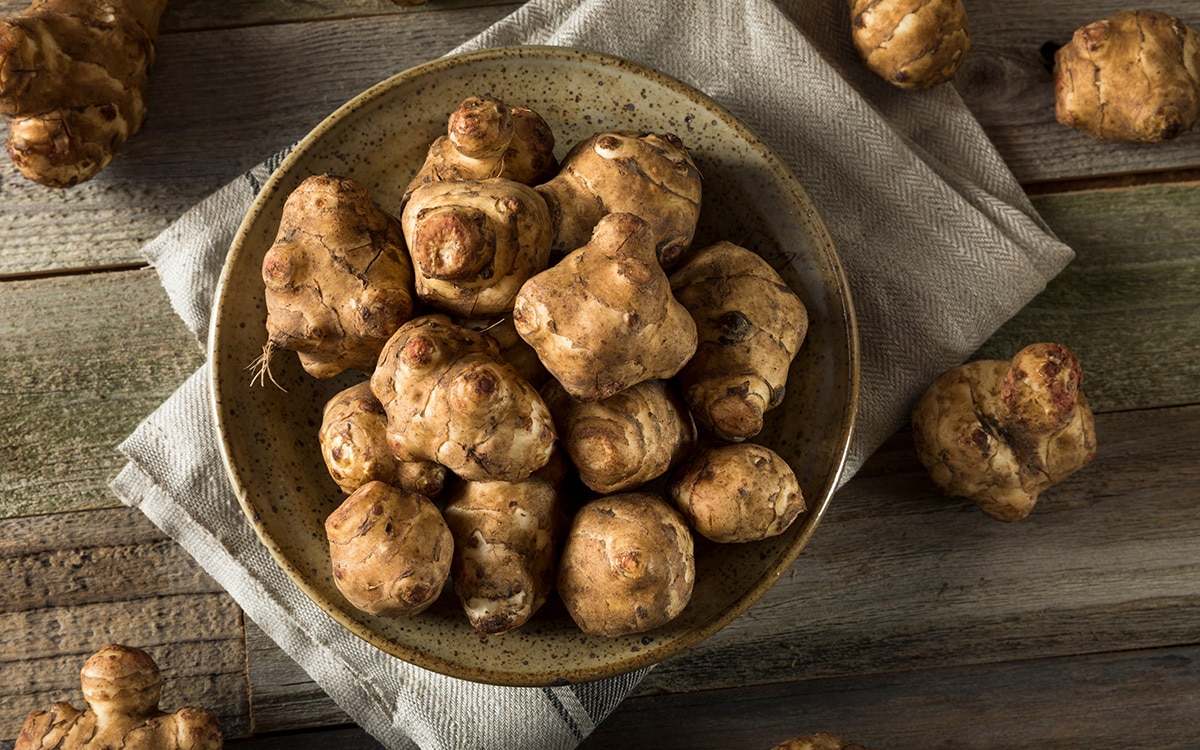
x: 911, y: 44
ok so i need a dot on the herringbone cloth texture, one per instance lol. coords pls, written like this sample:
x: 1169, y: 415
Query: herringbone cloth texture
x: 938, y: 240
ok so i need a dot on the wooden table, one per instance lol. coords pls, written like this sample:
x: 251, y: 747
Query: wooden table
x: 910, y: 621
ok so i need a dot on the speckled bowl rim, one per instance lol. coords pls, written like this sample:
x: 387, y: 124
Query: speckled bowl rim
x: 816, y: 506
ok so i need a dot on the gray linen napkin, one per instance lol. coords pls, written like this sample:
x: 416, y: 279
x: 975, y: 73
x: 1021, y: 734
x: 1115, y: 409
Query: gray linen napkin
x: 939, y: 242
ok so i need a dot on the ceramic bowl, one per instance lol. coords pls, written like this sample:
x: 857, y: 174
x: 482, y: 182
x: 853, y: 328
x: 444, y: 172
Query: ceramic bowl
x: 268, y: 435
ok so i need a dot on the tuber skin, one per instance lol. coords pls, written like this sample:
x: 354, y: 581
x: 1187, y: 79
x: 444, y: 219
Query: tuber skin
x: 486, y: 138
x: 603, y: 318
x: 911, y: 44
x: 628, y: 565
x: 750, y: 326
x: 649, y: 175
x: 1133, y: 77
x: 391, y: 550
x: 474, y: 243
x: 1000, y: 433
x: 122, y: 686
x: 740, y: 492
x: 338, y: 279
x: 818, y: 741
x: 451, y: 399
x: 73, y: 77
x: 625, y: 440
x: 506, y: 541
x: 353, y: 438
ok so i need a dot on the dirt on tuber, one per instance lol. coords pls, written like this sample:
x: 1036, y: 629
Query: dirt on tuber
x: 1000, y: 433
x: 911, y: 44
x: 1134, y: 77
x: 122, y: 686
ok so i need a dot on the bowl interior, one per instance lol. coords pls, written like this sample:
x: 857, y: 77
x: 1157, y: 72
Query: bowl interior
x: 268, y: 435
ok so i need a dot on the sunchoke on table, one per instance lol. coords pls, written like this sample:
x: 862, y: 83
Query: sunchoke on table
x: 338, y: 279
x: 818, y: 741
x: 1134, y: 76
x: 73, y: 78
x: 1000, y: 433
x: 122, y: 686
x: 750, y: 326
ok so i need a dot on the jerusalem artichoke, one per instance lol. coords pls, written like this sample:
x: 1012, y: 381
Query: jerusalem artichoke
x: 1000, y: 433
x: 73, y: 77
x: 912, y: 44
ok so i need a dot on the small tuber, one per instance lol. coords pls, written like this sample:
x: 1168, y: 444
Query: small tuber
x: 1001, y: 432
x: 628, y: 565
x: 451, y: 399
x: 1134, y: 76
x: 73, y: 84
x: 649, y: 175
x: 338, y: 279
x: 506, y: 538
x: 474, y: 243
x: 818, y: 741
x: 603, y: 318
x: 740, y: 492
x: 912, y: 44
x: 353, y: 437
x: 391, y: 550
x: 122, y: 686
x: 750, y: 326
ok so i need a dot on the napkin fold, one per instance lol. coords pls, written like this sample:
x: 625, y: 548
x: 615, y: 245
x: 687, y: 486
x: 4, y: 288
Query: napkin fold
x: 939, y: 242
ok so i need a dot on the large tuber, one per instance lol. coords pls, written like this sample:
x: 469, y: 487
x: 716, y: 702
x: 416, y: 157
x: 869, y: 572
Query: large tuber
x: 338, y: 279
x: 1000, y: 433
x: 122, y: 686
x: 73, y: 84
x: 1134, y: 76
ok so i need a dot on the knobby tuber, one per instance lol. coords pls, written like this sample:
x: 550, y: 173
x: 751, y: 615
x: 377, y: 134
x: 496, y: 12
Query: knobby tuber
x: 750, y: 326
x: 475, y: 242
x: 1134, y: 76
x: 1000, y: 433
x: 451, y: 399
x: 487, y: 138
x: 506, y: 538
x: 391, y: 550
x: 912, y: 44
x: 625, y: 440
x: 818, y: 741
x: 122, y: 686
x: 628, y: 565
x: 73, y: 83
x: 603, y: 318
x: 646, y: 174
x: 338, y: 279
x: 740, y: 492
x: 353, y: 438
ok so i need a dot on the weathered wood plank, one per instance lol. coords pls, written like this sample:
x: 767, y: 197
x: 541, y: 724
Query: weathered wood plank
x: 70, y: 583
x: 283, y: 697
x: 219, y: 102
x: 1138, y: 699
x: 1107, y: 560
x: 1127, y: 304
x: 86, y: 358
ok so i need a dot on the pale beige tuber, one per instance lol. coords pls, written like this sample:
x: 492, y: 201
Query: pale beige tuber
x: 122, y: 686
x: 338, y: 279
x: 506, y: 541
x: 475, y: 242
x: 73, y: 76
x: 750, y: 326
x: 740, y: 492
x: 912, y: 44
x: 353, y: 438
x: 649, y: 175
x: 391, y: 550
x: 623, y: 441
x: 628, y: 565
x: 1000, y: 433
x: 603, y: 318
x: 451, y: 399
x: 1134, y: 76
